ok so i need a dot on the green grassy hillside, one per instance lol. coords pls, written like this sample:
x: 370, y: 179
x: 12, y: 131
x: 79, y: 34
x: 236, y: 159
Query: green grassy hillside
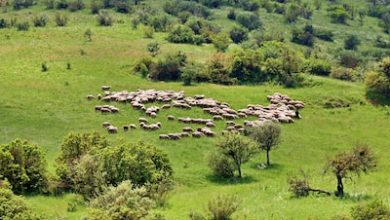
x: 43, y: 107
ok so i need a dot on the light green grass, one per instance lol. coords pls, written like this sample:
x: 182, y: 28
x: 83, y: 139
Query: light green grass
x: 44, y: 107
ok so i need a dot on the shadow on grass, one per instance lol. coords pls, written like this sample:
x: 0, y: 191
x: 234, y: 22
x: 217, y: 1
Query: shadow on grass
x: 356, y: 197
x: 230, y: 181
x: 263, y: 166
x: 376, y: 99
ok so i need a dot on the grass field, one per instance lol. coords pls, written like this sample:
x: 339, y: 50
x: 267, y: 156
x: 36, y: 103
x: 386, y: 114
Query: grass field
x: 44, y: 107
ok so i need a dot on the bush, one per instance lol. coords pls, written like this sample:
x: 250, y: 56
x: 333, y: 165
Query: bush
x: 19, y: 4
x: 95, y: 7
x: 221, y: 166
x: 351, y: 42
x: 62, y: 4
x: 318, y: 67
x: 218, y: 70
x: 249, y: 20
x: 122, y: 7
x: 13, y: 207
x: 104, y: 18
x: 189, y: 72
x: 61, y: 20
x: 148, y: 32
x: 4, y: 23
x: 231, y: 14
x: 378, y: 83
x: 76, y: 5
x: 168, y: 68
x: 349, y: 59
x: 183, y: 34
x: 221, y: 41
x: 238, y: 34
x: 292, y: 13
x: 380, y: 41
x: 323, y: 34
x: 343, y: 74
x: 23, y: 26
x: 161, y: 23
x: 338, y: 14
x: 223, y: 207
x: 153, y: 48
x: 125, y: 201
x: 40, y: 20
x: 375, y: 210
x: 23, y: 166
x: 304, y: 37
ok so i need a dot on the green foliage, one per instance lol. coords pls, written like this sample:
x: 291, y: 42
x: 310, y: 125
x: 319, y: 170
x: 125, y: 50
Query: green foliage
x: 223, y: 207
x: 266, y: 136
x: 88, y: 34
x: 153, y: 48
x: 304, y: 37
x: 375, y: 210
x: 184, y: 34
x: 23, y: 165
x: 221, y: 41
x: 122, y: 202
x: 323, y: 34
x: 40, y: 20
x: 246, y: 68
x: 61, y: 20
x: 378, y: 83
x: 141, y: 163
x: 148, y: 32
x: 238, y: 148
x: 23, y: 26
x: 338, y: 14
x: 250, y: 21
x: 168, y: 68
x: 318, y: 67
x: 343, y: 73
x: 20, y: 4
x: 221, y: 165
x: 189, y: 72
x: 351, y: 42
x: 13, y: 207
x: 360, y: 160
x: 104, y: 18
x: 218, y: 70
x: 349, y: 59
x: 238, y: 34
x: 76, y: 5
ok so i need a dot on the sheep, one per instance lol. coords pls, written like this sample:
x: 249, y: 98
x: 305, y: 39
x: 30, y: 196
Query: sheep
x: 164, y: 136
x: 133, y: 126
x: 153, y: 114
x: 197, y: 134
x: 112, y: 130
x: 106, y: 88
x: 188, y: 129
x: 166, y: 106
x: 217, y: 118
x: 174, y: 136
x: 230, y: 123
x: 106, y: 124
x: 126, y: 127
x: 144, y: 120
x: 90, y: 97
x: 210, y: 124
x: 171, y: 117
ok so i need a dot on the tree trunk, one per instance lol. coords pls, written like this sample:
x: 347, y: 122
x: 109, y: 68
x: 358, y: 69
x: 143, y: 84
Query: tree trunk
x: 268, y: 163
x: 340, y: 187
x: 239, y: 171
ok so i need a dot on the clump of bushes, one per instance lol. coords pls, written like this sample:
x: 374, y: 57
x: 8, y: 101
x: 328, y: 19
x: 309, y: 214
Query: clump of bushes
x: 378, y: 82
x: 184, y: 34
x: 304, y: 37
x: 13, y: 207
x: 222, y: 207
x: 342, y: 73
x: 351, y: 42
x: 250, y: 21
x: 61, y: 20
x: 76, y: 5
x: 318, y: 67
x: 23, y: 26
x: 20, y: 4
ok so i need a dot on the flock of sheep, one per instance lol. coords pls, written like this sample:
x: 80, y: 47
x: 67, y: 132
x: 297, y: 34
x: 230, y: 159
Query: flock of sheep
x: 282, y: 109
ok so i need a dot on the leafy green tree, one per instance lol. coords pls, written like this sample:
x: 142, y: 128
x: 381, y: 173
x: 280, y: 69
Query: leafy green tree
x: 238, y: 148
x: 221, y: 41
x: 267, y: 137
x: 345, y: 165
x: 23, y: 165
x: 126, y: 201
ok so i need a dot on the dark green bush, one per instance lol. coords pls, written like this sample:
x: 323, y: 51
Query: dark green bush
x: 104, y: 18
x: 349, y: 59
x: 61, y: 20
x: 13, y: 207
x: 184, y: 34
x: 221, y: 166
x: 238, y: 34
x: 342, y: 73
x: 20, y: 4
x: 351, y: 42
x: 249, y: 20
x: 76, y: 5
x: 323, y: 34
x: 318, y: 67
x: 168, y: 68
x: 122, y: 7
x: 375, y: 210
x: 62, y: 4
x: 304, y: 37
x: 338, y: 14
x: 223, y: 207
x: 40, y: 20
x: 23, y: 26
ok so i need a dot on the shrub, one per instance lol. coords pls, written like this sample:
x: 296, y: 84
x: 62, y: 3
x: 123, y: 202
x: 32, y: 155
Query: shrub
x: 161, y: 23
x: 380, y: 41
x: 95, y: 7
x: 249, y: 20
x: 292, y: 13
x: 140, y: 163
x: 13, y: 207
x: 351, y: 42
x: 23, y: 26
x: 188, y: 73
x: 61, y: 20
x: 122, y: 202
x: 221, y: 166
x: 44, y: 67
x: 184, y: 16
x: 153, y: 48
x: 76, y: 5
x: 4, y: 23
x: 50, y: 4
x: 62, y: 4
x: 24, y: 166
x: 323, y: 34
x: 349, y: 59
x: 221, y: 41
x: 338, y: 14
x: 246, y: 67
x: 148, y: 32
x: 40, y: 20
x: 122, y: 7
x: 304, y: 37
x: 218, y: 70
x: 183, y: 34
x: 223, y: 207
x: 318, y: 67
x: 238, y: 34
x: 19, y: 4
x: 168, y: 68
x: 342, y: 73
x: 375, y: 210
x: 104, y: 18
x: 231, y: 14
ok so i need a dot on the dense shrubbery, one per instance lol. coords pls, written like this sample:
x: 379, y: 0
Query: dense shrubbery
x: 184, y: 34
x: 378, y: 83
x: 23, y: 26
x: 375, y: 210
x: 351, y: 42
x: 104, y: 18
x: 323, y: 34
x: 238, y: 34
x: 167, y: 68
x: 304, y: 37
x: 318, y: 67
x: 174, y: 7
x: 343, y: 73
x: 23, y: 165
x: 13, y: 207
x: 40, y: 20
x: 19, y: 4
x: 250, y: 21
x: 338, y: 14
x: 61, y: 20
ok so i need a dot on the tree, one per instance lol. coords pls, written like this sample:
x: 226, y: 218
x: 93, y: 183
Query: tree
x: 23, y: 165
x: 267, y: 137
x: 351, y: 42
x: 126, y: 201
x: 188, y: 72
x: 238, y: 148
x: 153, y: 48
x: 221, y: 41
x: 345, y: 165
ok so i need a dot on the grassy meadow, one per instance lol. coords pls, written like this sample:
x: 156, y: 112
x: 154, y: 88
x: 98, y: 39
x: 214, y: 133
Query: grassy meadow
x: 43, y: 107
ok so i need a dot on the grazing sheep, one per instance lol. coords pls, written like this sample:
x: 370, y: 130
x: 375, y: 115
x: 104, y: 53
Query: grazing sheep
x: 106, y: 88
x: 106, y: 124
x: 174, y: 136
x: 197, y: 134
x: 144, y: 120
x: 230, y: 123
x: 188, y: 129
x: 126, y: 127
x: 164, y: 136
x: 133, y: 126
x: 217, y: 118
x: 210, y: 124
x: 166, y: 106
x: 90, y: 97
x: 112, y: 130
x: 171, y: 118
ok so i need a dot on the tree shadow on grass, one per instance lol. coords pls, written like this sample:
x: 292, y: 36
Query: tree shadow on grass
x: 262, y: 166
x: 230, y: 181
x: 355, y: 197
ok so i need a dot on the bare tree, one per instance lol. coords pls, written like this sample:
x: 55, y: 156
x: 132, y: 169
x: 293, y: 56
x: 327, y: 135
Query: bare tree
x: 346, y: 165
